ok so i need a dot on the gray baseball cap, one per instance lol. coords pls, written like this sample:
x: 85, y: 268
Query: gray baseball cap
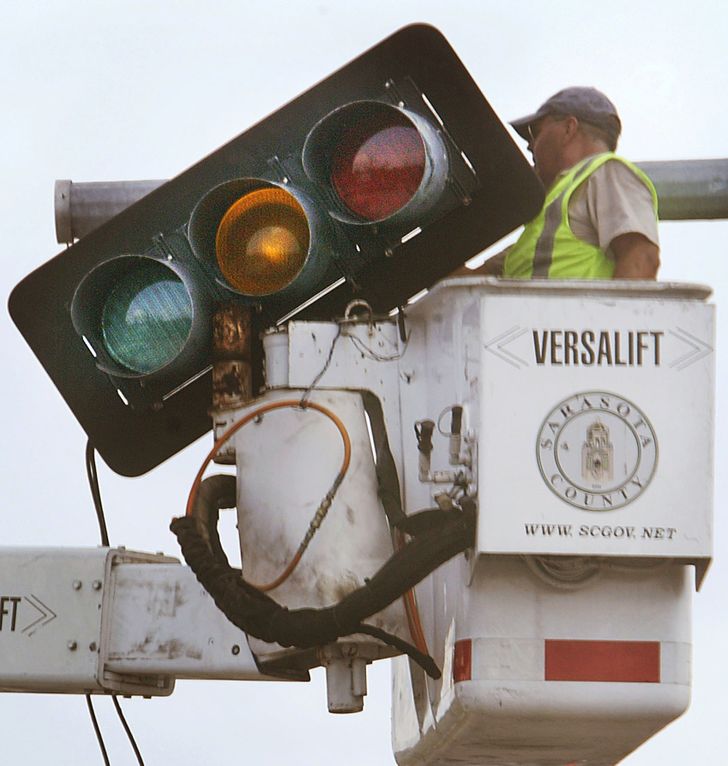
x: 587, y: 104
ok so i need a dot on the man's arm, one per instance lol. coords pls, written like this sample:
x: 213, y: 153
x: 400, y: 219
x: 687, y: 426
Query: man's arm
x: 617, y: 210
x: 635, y: 257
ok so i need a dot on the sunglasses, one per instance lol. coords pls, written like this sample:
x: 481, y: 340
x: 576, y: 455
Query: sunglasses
x: 535, y: 128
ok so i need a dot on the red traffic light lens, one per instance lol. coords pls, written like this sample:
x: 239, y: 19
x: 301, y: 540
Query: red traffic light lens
x: 262, y: 241
x: 378, y: 165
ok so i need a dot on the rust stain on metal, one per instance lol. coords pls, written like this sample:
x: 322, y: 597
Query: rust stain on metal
x: 232, y: 332
x: 157, y: 599
x: 174, y: 649
x: 232, y: 383
x: 232, y: 373
x: 179, y: 596
x: 171, y: 650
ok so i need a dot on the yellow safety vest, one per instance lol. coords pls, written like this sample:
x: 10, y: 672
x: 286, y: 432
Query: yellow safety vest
x: 548, y: 248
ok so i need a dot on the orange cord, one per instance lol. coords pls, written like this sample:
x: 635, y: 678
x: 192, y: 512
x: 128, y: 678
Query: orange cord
x: 409, y: 598
x: 411, y: 609
x: 284, y: 403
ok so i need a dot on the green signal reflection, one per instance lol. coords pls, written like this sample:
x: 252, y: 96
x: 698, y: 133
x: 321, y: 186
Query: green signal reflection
x: 147, y: 318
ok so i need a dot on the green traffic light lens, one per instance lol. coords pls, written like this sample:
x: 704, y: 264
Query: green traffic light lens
x: 146, y: 318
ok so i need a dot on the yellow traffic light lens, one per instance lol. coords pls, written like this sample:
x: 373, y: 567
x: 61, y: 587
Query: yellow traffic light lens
x: 146, y: 318
x: 262, y: 241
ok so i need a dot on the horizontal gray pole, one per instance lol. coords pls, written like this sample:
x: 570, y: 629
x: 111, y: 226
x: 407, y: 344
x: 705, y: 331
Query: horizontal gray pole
x: 687, y: 190
x: 82, y: 207
x: 690, y: 189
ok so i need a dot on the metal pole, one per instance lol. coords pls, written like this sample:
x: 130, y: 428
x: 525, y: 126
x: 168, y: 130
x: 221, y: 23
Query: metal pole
x: 687, y: 189
x: 82, y: 207
x: 690, y: 189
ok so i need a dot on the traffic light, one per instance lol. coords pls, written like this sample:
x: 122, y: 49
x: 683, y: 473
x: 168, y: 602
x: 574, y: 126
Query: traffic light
x: 375, y: 183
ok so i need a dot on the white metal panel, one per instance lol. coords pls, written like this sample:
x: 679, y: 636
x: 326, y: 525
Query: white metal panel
x: 365, y: 357
x: 470, y: 345
x: 50, y: 618
x: 287, y: 461
x: 441, y: 370
x: 622, y: 601
x: 509, y: 725
x: 56, y: 611
x: 507, y: 709
x: 77, y: 620
x: 162, y: 621
x: 626, y: 383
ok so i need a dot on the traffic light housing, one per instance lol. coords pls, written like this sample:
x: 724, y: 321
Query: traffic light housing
x: 375, y: 183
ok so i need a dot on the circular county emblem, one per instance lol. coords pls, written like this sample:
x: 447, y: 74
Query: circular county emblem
x: 597, y: 451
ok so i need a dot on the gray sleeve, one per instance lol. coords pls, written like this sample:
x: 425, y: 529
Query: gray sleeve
x: 618, y: 202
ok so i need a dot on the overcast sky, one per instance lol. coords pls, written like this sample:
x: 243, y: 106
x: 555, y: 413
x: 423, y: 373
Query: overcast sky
x: 104, y: 91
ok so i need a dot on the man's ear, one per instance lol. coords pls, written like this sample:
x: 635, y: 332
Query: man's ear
x: 571, y: 128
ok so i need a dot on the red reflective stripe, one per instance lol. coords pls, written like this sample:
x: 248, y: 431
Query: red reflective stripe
x: 462, y: 664
x: 620, y: 661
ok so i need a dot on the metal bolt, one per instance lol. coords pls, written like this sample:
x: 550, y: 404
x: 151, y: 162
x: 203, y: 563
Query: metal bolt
x: 96, y: 584
x: 92, y: 646
x: 77, y: 584
x: 72, y: 646
x: 236, y: 649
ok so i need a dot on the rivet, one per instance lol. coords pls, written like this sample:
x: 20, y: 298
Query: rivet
x: 72, y: 646
x: 236, y: 649
x: 77, y: 584
x: 96, y: 584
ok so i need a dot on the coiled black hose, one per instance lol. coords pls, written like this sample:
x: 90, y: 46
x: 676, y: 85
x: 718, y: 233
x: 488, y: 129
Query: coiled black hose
x: 437, y: 537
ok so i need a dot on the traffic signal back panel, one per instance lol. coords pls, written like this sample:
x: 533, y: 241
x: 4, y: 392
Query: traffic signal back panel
x: 375, y: 183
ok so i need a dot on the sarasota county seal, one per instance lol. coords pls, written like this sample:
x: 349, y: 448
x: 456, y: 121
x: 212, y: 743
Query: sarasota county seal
x: 597, y: 451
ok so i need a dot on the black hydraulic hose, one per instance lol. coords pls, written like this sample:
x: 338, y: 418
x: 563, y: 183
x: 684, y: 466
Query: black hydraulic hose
x: 423, y: 660
x: 215, y: 493
x: 259, y: 615
x: 386, y: 469
x: 409, y: 566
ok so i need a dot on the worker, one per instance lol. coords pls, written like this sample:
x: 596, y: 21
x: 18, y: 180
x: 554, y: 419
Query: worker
x: 599, y: 218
